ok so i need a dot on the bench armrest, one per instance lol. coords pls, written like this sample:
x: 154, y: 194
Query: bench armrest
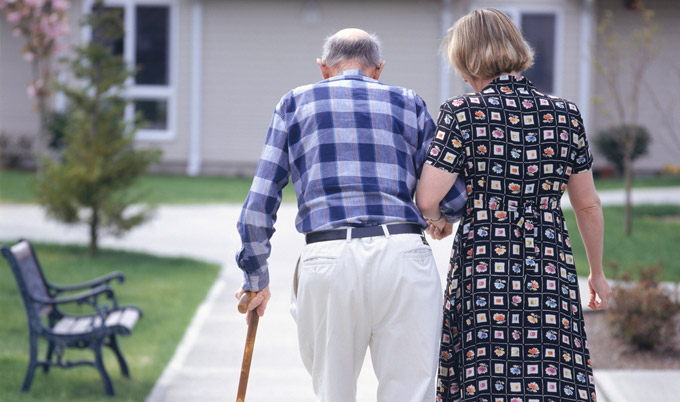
x: 104, y: 280
x: 79, y: 298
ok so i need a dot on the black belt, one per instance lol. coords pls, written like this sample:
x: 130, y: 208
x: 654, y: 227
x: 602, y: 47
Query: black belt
x: 361, y: 232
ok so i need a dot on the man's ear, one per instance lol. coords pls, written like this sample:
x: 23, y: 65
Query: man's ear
x: 324, y: 69
x: 379, y: 70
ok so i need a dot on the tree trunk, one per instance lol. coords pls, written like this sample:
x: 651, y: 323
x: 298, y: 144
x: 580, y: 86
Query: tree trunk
x: 628, y: 180
x: 94, y: 227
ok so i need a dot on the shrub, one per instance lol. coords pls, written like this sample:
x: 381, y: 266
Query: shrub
x: 610, y: 143
x: 643, y: 313
x: 16, y: 153
x: 56, y: 128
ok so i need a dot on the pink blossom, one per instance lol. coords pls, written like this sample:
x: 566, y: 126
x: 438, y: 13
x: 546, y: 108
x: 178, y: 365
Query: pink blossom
x: 60, y: 48
x: 16, y: 32
x: 29, y: 56
x: 35, y: 3
x: 14, y: 17
x: 31, y: 91
x: 61, y: 5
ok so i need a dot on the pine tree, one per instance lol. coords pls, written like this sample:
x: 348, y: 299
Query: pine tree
x: 92, y: 180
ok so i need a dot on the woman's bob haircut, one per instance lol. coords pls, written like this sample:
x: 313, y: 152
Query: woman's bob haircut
x: 486, y: 43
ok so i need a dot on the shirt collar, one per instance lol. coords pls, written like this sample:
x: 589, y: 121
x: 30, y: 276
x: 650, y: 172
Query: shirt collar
x: 352, y: 73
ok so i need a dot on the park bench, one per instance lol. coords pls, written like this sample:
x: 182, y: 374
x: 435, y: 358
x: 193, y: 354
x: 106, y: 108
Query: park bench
x: 62, y: 330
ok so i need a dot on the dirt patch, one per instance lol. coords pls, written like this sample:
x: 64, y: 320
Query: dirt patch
x: 670, y: 219
x: 608, y: 352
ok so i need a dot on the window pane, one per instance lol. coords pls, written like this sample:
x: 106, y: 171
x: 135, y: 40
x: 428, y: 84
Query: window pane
x: 118, y: 45
x: 152, y: 47
x: 154, y: 112
x: 539, y: 31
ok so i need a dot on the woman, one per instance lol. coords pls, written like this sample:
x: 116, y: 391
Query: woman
x: 513, y: 325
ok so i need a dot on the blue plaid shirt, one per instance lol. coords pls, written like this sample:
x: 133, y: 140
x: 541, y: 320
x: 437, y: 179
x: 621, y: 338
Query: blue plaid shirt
x: 354, y: 148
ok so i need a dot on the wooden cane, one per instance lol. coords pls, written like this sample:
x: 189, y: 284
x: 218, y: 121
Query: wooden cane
x: 250, y: 344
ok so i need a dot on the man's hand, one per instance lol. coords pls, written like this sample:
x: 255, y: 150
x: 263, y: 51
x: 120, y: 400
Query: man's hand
x: 439, y: 230
x: 258, y: 303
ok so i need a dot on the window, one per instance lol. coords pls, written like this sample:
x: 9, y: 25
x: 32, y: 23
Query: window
x: 148, y: 47
x: 539, y: 31
x: 541, y: 27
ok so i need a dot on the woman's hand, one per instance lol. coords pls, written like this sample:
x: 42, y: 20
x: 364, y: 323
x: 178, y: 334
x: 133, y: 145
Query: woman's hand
x: 439, y: 230
x: 599, y: 287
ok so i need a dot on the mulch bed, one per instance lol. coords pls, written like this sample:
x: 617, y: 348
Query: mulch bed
x: 607, y: 352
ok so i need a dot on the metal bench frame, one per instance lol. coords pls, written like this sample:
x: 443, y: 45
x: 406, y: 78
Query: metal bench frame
x: 42, y: 300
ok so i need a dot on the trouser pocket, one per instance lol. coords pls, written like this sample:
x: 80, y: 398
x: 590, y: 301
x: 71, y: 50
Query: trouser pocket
x: 293, y: 294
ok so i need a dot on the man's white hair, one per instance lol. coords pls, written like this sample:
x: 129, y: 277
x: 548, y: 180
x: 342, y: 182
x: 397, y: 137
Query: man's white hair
x: 365, y: 49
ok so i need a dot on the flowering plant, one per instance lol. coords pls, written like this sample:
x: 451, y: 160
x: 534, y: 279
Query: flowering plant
x: 41, y: 23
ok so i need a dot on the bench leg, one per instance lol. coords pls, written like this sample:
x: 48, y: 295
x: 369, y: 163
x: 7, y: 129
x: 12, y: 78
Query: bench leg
x: 113, y: 344
x: 99, y: 364
x: 48, y: 358
x: 32, y: 364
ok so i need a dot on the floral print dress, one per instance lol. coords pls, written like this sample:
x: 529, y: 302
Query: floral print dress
x: 513, y: 324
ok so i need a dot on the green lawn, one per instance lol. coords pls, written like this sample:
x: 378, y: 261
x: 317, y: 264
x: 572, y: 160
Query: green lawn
x: 656, y: 237
x: 641, y: 182
x: 168, y: 290
x: 18, y: 187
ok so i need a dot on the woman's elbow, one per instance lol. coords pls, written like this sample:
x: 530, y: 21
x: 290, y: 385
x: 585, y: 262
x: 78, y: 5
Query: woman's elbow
x: 591, y: 206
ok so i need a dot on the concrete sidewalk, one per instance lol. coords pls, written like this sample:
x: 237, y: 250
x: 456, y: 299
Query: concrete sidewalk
x: 206, y: 364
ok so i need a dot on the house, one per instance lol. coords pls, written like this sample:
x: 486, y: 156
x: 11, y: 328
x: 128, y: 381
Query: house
x: 213, y: 70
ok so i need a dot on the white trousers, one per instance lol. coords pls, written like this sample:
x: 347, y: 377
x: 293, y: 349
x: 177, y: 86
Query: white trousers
x: 378, y: 292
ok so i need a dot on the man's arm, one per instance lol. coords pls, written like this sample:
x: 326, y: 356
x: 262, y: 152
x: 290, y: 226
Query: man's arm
x: 452, y: 205
x: 256, y: 223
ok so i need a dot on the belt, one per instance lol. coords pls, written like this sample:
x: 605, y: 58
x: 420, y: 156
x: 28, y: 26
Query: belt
x: 361, y: 232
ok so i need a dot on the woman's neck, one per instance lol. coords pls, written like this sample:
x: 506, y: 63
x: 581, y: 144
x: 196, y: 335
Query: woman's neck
x: 478, y: 84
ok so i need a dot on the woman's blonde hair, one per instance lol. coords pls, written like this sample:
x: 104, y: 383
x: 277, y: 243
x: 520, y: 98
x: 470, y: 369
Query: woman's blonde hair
x: 486, y: 43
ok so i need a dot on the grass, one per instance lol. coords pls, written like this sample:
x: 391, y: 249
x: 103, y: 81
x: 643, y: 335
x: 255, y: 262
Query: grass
x: 168, y: 290
x: 656, y: 236
x: 18, y: 187
x: 640, y: 182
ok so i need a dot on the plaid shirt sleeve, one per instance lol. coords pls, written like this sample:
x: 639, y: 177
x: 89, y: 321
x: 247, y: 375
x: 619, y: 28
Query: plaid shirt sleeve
x: 453, y: 204
x: 256, y: 223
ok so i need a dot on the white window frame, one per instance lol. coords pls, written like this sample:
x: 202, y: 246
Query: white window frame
x: 515, y: 10
x: 133, y: 91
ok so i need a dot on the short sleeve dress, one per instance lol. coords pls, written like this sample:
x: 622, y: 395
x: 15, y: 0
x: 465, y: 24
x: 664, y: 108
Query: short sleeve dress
x: 513, y: 325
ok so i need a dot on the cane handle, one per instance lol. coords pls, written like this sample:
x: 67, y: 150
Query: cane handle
x: 244, y: 301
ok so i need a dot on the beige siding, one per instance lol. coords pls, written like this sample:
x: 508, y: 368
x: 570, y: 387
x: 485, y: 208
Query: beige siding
x: 256, y: 51
x: 661, y: 82
x: 570, y: 54
x: 17, y: 117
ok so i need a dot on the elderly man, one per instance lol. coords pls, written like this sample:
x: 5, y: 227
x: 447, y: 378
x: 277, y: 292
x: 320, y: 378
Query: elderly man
x: 354, y: 148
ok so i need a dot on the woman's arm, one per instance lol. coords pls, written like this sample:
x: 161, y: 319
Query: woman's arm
x: 433, y: 186
x: 588, y: 210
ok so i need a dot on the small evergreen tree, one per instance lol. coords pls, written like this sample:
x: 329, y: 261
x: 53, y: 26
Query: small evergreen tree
x: 91, y: 182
